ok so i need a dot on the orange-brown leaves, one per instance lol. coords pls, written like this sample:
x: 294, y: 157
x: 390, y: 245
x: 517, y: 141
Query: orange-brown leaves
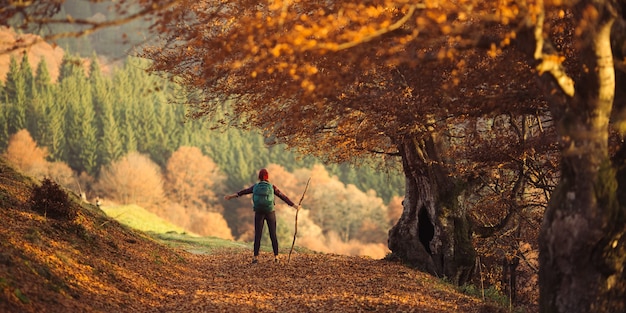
x: 192, y: 178
x: 24, y: 153
x: 97, y: 265
x: 134, y: 179
x: 507, y: 12
x: 304, y: 70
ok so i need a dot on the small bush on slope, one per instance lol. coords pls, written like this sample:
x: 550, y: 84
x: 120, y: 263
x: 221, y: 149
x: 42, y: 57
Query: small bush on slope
x: 51, y: 201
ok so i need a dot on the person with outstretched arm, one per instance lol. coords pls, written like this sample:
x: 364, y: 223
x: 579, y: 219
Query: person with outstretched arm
x: 263, y: 193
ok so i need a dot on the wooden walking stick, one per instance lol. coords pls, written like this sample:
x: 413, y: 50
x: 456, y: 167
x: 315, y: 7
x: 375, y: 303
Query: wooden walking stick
x: 296, y: 228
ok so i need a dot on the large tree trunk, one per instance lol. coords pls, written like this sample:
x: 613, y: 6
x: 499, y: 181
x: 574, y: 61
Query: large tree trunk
x: 433, y: 234
x: 582, y: 249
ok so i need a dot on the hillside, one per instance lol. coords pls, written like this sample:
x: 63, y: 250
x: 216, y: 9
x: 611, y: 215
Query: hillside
x: 94, y: 264
x: 52, y: 54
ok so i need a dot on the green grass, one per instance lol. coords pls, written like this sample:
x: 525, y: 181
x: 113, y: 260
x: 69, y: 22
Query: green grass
x: 491, y: 294
x: 23, y: 298
x: 200, y: 245
x: 139, y: 218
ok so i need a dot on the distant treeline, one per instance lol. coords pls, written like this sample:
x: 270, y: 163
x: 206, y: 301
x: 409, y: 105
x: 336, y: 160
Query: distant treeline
x: 88, y: 119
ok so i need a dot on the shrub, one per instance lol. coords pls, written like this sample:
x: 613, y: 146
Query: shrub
x: 134, y: 179
x: 192, y: 179
x: 24, y: 153
x: 50, y: 200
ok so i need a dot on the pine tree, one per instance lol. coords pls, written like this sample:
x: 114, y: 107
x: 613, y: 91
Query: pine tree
x: 147, y: 124
x: 42, y: 79
x: 160, y: 147
x: 16, y: 98
x: 33, y: 106
x: 80, y: 118
x: 178, y: 114
x: 107, y: 131
x: 100, y: 88
x: 71, y: 66
x: 4, y: 127
x: 43, y: 100
x: 55, y: 119
x: 110, y: 143
x: 123, y: 110
x: 145, y: 96
x: 169, y: 127
x: 108, y: 121
x: 27, y: 73
x: 130, y: 139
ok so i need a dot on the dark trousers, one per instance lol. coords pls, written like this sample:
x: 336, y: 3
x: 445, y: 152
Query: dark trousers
x: 259, y: 219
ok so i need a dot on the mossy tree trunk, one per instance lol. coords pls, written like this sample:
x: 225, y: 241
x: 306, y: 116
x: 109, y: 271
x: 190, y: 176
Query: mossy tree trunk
x: 433, y: 234
x: 582, y: 245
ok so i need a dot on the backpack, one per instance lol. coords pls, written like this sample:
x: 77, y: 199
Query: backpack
x: 263, y: 197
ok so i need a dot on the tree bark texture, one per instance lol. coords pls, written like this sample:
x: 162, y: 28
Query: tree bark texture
x: 433, y: 234
x: 582, y: 249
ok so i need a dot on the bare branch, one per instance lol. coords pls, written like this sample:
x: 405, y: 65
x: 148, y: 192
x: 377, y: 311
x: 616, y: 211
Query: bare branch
x: 92, y: 25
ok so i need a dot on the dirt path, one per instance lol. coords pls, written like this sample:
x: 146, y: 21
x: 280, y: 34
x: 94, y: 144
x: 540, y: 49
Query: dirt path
x: 58, y: 267
x: 228, y: 282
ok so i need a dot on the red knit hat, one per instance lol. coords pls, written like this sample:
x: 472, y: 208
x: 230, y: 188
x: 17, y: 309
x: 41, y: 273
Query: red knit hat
x: 263, y: 175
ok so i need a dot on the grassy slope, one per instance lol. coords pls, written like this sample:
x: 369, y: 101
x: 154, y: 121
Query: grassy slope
x: 167, y: 233
x: 96, y: 264
x: 140, y: 219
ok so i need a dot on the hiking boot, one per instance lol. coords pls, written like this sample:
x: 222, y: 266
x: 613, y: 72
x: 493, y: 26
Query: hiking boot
x: 276, y: 259
x: 255, y: 261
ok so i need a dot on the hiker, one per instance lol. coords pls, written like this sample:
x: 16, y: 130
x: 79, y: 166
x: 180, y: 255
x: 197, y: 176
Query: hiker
x: 263, y: 203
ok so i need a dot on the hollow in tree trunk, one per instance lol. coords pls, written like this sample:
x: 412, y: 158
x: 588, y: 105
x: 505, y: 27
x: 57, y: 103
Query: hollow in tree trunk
x: 433, y: 234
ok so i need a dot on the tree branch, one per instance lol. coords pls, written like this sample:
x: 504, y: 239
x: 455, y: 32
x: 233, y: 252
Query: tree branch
x: 93, y: 26
x: 374, y: 35
x: 549, y: 61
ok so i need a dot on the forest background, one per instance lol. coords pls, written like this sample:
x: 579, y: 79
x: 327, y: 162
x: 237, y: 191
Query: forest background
x: 103, y: 127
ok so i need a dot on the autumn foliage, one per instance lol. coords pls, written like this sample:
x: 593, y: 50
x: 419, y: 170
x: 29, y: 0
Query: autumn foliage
x: 193, y: 180
x: 195, y: 220
x: 24, y: 153
x: 134, y: 179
